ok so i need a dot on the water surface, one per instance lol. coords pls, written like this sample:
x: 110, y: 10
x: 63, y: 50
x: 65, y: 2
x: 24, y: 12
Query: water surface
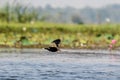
x: 43, y: 65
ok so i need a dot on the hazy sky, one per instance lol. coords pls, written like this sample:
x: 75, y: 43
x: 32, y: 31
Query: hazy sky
x: 64, y: 3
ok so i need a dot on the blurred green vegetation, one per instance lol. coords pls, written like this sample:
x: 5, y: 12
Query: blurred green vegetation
x: 40, y: 34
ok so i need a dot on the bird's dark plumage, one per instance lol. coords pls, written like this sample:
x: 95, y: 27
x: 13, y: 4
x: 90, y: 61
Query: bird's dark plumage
x: 23, y: 38
x: 52, y: 49
x: 56, y: 48
x: 57, y: 42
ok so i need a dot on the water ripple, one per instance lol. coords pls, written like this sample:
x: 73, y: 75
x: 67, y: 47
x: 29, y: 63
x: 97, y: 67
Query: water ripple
x: 58, y: 67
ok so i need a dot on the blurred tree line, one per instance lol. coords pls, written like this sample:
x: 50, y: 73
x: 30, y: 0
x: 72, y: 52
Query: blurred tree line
x: 19, y: 12
x: 26, y: 13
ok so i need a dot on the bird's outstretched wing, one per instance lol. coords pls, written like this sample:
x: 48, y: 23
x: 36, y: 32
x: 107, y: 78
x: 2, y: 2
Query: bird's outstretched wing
x: 57, y: 42
x: 52, y: 49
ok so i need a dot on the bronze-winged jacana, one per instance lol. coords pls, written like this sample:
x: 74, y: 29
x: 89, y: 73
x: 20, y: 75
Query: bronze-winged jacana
x: 56, y: 48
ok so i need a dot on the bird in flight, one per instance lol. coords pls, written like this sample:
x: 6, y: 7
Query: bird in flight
x: 56, y: 48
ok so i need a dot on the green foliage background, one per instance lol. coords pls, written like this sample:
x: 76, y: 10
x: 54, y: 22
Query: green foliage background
x: 40, y: 34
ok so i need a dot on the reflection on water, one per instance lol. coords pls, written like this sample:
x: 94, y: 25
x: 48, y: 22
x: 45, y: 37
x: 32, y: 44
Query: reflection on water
x: 52, y: 66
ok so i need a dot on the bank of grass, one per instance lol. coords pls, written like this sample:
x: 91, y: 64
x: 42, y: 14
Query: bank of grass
x: 40, y: 34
